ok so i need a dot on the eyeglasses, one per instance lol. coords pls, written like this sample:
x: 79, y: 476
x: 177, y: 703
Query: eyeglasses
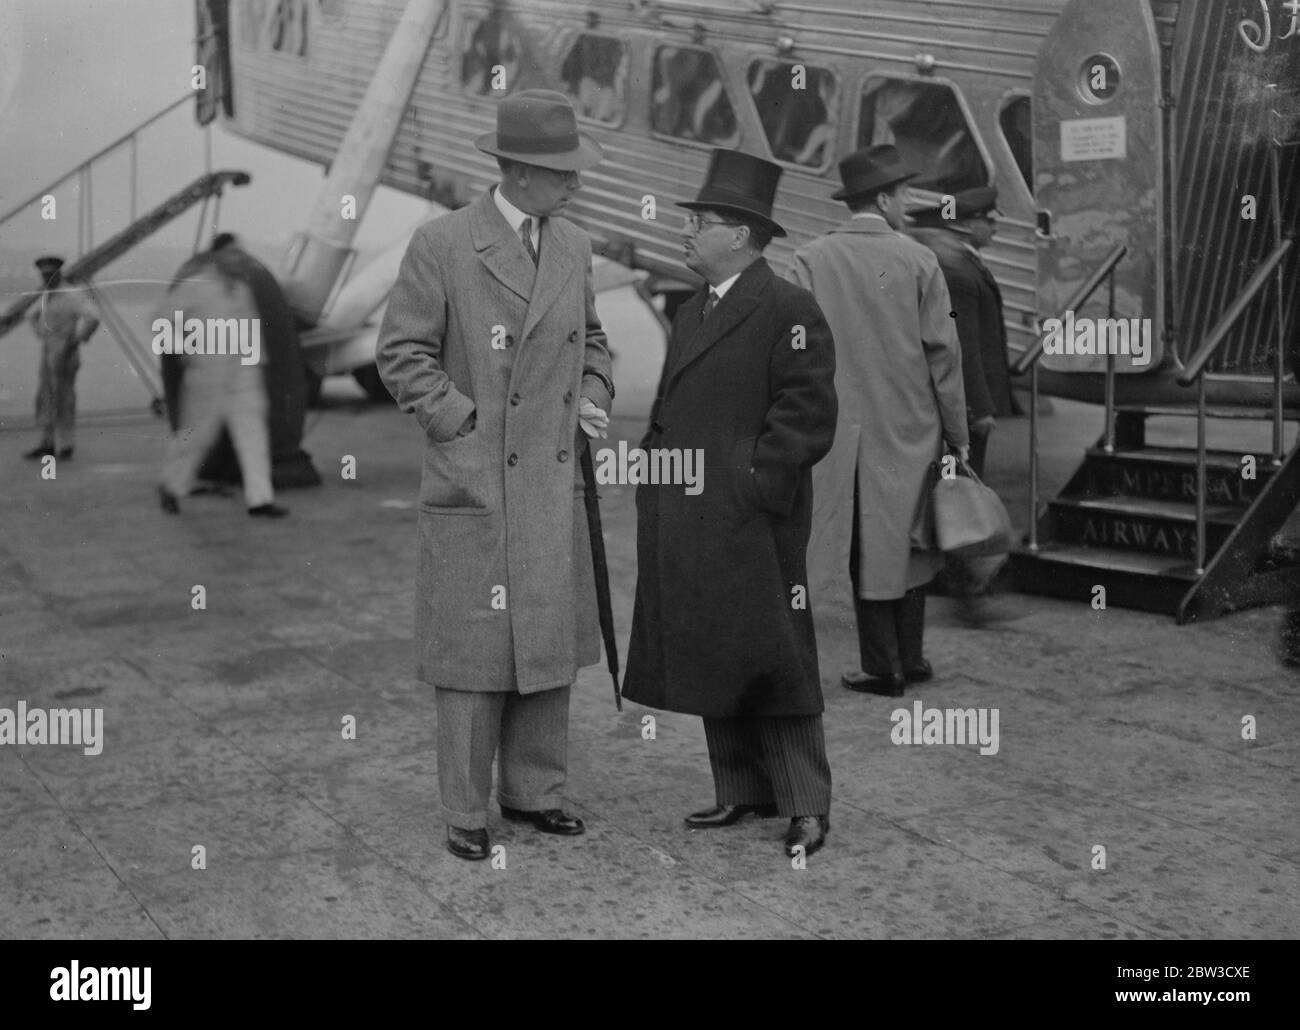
x: 694, y: 223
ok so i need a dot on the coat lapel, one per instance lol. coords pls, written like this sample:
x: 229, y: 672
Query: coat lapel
x: 499, y: 249
x: 733, y: 309
x: 554, y: 267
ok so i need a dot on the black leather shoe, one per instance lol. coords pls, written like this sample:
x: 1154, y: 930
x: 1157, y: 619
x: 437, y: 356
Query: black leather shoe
x: 468, y: 844
x: 865, y: 683
x: 270, y: 511
x: 39, y: 451
x: 725, y: 815
x: 553, y: 820
x: 168, y: 501
x: 919, y: 673
x: 64, y: 453
x: 809, y: 831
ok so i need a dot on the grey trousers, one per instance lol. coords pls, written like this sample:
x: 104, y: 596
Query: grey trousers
x: 761, y: 759
x: 532, y: 731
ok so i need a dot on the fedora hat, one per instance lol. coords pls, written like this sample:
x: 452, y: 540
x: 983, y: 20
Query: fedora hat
x: 538, y: 127
x: 871, y: 170
x: 44, y: 263
x: 740, y: 183
x: 971, y: 203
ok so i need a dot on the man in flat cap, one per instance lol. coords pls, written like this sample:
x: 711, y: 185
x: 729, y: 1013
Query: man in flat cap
x: 898, y: 376
x: 492, y: 341
x: 722, y: 627
x: 957, y: 232
x: 63, y: 320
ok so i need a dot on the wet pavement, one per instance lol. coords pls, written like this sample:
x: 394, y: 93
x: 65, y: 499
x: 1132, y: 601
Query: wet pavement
x: 222, y: 730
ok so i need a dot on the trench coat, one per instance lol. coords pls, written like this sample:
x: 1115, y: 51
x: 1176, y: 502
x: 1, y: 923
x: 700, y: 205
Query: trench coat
x: 898, y: 377
x: 505, y: 592
x: 722, y: 626
x: 981, y: 326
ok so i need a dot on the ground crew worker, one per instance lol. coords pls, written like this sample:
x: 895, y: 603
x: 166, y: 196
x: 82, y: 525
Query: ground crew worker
x: 63, y: 320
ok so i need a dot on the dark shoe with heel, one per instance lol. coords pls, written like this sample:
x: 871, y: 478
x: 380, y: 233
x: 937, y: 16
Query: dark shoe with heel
x: 41, y: 450
x: 884, y: 686
x: 922, y: 673
x: 468, y: 844
x: 269, y: 511
x: 552, y: 820
x: 807, y: 832
x: 726, y: 815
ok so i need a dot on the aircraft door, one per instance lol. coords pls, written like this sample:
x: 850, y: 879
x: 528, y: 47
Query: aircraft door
x: 1098, y: 169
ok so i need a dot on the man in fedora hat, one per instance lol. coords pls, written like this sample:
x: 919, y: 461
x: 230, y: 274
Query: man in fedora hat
x: 957, y: 232
x: 63, y: 320
x: 492, y: 341
x: 722, y: 627
x: 901, y: 398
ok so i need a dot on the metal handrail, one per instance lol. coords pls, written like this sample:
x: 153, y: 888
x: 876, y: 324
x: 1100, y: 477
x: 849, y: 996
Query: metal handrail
x: 1214, y: 339
x: 1076, y: 301
x: 81, y: 166
x: 1029, y: 360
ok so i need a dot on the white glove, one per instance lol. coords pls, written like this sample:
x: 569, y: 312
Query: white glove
x: 593, y: 420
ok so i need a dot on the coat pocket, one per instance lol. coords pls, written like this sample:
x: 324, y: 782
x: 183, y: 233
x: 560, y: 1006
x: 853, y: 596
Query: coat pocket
x: 454, y: 481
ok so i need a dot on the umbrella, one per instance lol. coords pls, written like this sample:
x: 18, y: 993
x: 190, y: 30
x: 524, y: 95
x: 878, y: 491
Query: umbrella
x: 602, y: 569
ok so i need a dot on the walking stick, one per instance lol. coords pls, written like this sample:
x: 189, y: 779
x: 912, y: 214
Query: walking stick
x: 602, y: 568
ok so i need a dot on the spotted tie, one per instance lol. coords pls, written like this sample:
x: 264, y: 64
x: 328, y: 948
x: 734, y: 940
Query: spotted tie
x: 526, y: 234
x: 710, y: 303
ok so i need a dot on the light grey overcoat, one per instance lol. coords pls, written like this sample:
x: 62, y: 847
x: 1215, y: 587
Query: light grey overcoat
x: 505, y: 595
x: 898, y: 379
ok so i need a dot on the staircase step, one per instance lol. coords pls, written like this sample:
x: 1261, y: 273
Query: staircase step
x: 1228, y: 411
x: 1147, y: 507
x: 1113, y: 559
x: 1168, y: 474
x: 1162, y: 528
x: 1132, y: 580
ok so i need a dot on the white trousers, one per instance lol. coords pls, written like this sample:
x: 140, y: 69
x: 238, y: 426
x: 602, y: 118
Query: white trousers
x: 217, y: 392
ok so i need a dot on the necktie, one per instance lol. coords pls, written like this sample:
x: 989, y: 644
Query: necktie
x: 710, y: 303
x: 525, y: 234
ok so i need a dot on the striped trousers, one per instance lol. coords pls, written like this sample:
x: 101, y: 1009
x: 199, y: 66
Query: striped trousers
x: 775, y: 758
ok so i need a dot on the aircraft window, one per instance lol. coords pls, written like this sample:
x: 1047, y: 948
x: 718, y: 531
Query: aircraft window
x: 689, y: 99
x: 798, y: 108
x: 491, y: 56
x: 1018, y: 129
x: 595, y: 77
x: 926, y: 123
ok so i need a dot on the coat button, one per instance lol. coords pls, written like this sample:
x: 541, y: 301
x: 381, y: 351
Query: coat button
x: 563, y: 455
x: 514, y: 398
x: 568, y: 396
x: 656, y: 427
x: 573, y: 336
x: 513, y: 460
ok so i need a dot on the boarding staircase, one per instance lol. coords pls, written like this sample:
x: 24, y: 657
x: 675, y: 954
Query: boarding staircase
x: 1183, y: 531
x: 205, y: 190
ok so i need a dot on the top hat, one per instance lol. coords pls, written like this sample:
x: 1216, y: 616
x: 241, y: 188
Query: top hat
x: 538, y: 127
x: 741, y: 183
x: 971, y: 203
x: 49, y: 263
x: 871, y: 170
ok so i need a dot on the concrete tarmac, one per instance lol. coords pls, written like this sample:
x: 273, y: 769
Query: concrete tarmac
x: 1122, y: 800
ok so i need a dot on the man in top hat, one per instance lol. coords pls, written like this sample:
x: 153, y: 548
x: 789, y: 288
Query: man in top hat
x: 901, y: 399
x: 63, y: 320
x: 722, y: 627
x: 492, y: 341
x: 957, y: 233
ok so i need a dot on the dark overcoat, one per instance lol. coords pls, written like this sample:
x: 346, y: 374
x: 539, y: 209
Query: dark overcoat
x: 981, y: 328
x: 722, y: 626
x: 505, y: 594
